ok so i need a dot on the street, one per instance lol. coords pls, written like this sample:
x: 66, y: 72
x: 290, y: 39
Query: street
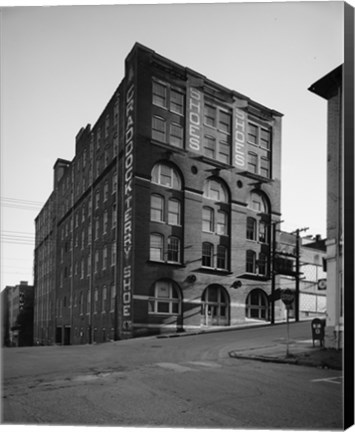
x: 175, y: 382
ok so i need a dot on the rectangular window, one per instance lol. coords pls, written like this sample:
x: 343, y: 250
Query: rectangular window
x: 104, y: 299
x: 104, y: 258
x: 113, y: 298
x: 262, y: 264
x: 156, y: 208
x: 209, y: 146
x: 265, y: 167
x: 207, y: 219
x: 113, y: 255
x: 210, y: 115
x: 159, y: 94
x: 176, y: 135
x: 207, y: 254
x: 265, y: 138
x: 252, y: 162
x: 173, y: 249
x: 251, y: 228
x: 105, y: 222
x: 221, y: 257
x: 174, y: 212
x: 96, y: 300
x: 225, y: 121
x: 159, y: 129
x: 176, y: 102
x: 252, y: 134
x: 224, y: 151
x: 156, y: 247
x: 250, y: 262
x: 222, y: 223
x: 96, y: 261
x: 114, y: 216
x: 105, y: 191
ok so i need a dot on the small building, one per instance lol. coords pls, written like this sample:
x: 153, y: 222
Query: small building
x: 17, y: 308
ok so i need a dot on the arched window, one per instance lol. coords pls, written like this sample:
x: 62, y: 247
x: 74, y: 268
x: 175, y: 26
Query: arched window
x: 258, y: 203
x: 257, y: 305
x: 215, y: 190
x: 166, y: 175
x: 215, y: 306
x: 166, y: 298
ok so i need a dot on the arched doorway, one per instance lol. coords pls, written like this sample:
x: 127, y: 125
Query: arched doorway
x: 215, y: 306
x: 257, y: 305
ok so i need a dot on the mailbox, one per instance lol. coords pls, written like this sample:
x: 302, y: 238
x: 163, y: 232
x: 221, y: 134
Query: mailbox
x: 318, y: 326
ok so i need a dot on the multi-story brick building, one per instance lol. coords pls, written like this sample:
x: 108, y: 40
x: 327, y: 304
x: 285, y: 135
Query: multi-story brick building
x: 17, y: 314
x: 162, y: 220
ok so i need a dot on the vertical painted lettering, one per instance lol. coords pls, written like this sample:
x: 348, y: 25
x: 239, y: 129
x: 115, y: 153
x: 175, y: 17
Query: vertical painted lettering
x: 240, y: 138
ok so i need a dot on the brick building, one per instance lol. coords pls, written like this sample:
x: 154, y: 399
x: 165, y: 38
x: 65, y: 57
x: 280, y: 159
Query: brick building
x: 162, y: 221
x: 17, y: 314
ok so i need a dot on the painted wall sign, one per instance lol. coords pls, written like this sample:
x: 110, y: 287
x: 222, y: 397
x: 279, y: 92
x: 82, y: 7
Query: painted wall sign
x: 127, y: 212
x: 194, y: 119
x: 240, y: 134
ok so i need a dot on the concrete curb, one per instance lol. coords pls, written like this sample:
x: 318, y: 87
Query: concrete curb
x: 292, y: 360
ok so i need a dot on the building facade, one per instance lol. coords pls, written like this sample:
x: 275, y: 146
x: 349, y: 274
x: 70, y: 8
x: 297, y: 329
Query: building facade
x: 312, y: 287
x: 17, y: 315
x: 162, y: 221
x: 330, y: 87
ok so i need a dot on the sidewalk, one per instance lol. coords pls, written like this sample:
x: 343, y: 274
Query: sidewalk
x: 300, y: 352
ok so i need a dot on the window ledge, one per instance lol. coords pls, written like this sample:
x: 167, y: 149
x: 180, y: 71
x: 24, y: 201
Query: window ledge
x: 256, y: 177
x: 254, y: 276
x: 214, y: 271
x: 169, y: 147
x: 174, y: 264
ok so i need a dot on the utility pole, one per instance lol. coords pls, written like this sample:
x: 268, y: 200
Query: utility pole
x: 273, y: 269
x: 297, y: 277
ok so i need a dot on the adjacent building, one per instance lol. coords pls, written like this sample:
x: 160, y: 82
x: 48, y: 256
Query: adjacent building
x: 17, y: 315
x: 330, y: 87
x: 162, y: 221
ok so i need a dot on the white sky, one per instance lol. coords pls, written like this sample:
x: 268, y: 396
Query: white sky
x: 60, y: 65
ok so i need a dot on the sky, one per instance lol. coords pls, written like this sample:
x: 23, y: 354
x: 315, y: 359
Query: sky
x: 61, y: 64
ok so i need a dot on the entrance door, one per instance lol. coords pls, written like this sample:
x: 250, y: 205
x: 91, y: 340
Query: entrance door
x: 215, y: 306
x: 66, y: 335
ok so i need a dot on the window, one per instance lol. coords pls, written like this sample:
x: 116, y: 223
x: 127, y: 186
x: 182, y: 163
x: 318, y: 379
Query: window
x: 104, y: 258
x: 89, y: 266
x: 224, y: 151
x: 257, y: 203
x: 96, y: 261
x: 257, y: 305
x: 157, y: 208
x: 252, y: 162
x: 263, y: 232
x: 159, y: 129
x: 97, y: 199
x: 207, y: 219
x: 160, y: 92
x: 114, y: 183
x: 173, y: 249
x: 104, y: 299
x: 262, y: 264
x: 113, y: 298
x: 222, y: 223
x: 176, y: 135
x: 251, y: 262
x: 105, y: 222
x: 215, y: 190
x: 81, y: 303
x: 176, y: 101
x: 113, y: 254
x: 207, y: 254
x: 174, y: 212
x: 114, y: 215
x: 166, y: 175
x: 96, y: 300
x: 156, y: 247
x: 210, y: 115
x: 209, y: 146
x: 97, y: 227
x: 225, y: 121
x: 88, y: 303
x: 105, y: 191
x: 251, y: 228
x: 259, y: 161
x: 166, y: 299
x: 221, y: 257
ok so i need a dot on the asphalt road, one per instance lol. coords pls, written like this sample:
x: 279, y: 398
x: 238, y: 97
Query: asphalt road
x: 174, y: 382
